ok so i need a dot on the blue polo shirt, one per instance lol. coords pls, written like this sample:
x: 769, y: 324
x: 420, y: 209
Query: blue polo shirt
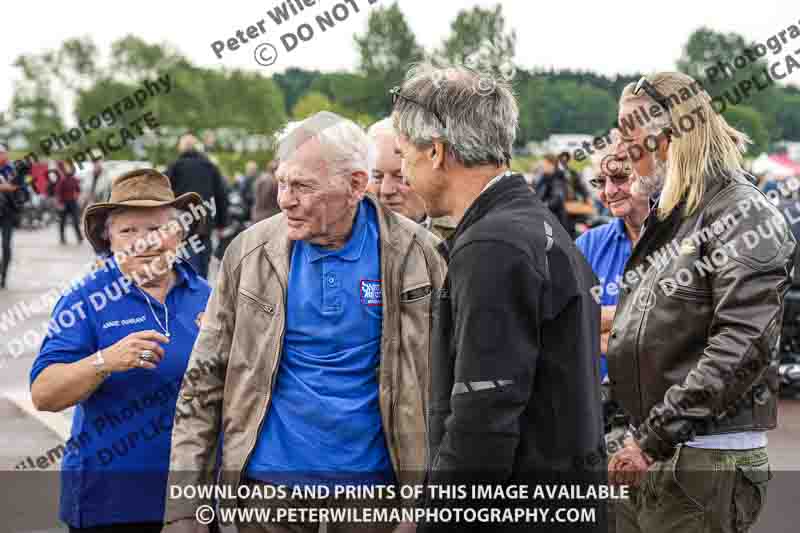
x: 116, y: 462
x: 324, y: 422
x: 607, y: 249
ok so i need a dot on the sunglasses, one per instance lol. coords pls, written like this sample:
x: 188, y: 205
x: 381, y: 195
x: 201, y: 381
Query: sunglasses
x: 398, y: 95
x: 643, y: 85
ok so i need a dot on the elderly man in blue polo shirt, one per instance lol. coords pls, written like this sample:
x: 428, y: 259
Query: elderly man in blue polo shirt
x: 608, y: 247
x: 318, y: 333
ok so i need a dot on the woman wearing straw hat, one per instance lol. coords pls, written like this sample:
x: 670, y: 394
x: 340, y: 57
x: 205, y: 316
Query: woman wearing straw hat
x: 117, y: 349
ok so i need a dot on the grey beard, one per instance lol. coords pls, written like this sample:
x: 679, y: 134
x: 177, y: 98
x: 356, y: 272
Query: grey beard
x: 650, y: 185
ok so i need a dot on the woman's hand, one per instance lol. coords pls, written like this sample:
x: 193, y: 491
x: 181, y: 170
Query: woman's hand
x: 125, y: 354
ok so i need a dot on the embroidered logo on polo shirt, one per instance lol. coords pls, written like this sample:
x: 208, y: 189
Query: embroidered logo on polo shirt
x: 371, y: 292
x: 124, y: 322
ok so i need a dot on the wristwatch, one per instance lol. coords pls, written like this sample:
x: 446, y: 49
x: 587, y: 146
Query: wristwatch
x: 98, y: 362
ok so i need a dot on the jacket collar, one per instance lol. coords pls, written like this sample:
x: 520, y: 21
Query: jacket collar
x: 352, y: 249
x: 279, y: 248
x: 485, y: 202
x: 657, y: 232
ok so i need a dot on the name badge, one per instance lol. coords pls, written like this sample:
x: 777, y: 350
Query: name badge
x: 371, y: 292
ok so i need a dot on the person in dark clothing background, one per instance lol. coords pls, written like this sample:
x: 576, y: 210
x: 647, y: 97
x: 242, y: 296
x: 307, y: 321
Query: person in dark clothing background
x: 246, y: 185
x: 193, y: 172
x: 551, y: 190
x: 515, y: 384
x: 67, y: 192
x: 265, y: 190
x: 579, y: 202
x: 13, y: 194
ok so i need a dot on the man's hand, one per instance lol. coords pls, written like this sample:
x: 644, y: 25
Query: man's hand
x: 185, y: 525
x: 629, y: 465
x: 405, y: 527
x: 8, y: 187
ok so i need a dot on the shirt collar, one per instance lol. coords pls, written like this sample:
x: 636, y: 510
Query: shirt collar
x: 619, y: 228
x: 352, y: 249
x: 495, y: 180
x: 184, y: 272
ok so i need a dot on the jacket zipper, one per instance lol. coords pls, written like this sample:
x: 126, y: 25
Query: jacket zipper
x: 636, y: 348
x: 262, y: 416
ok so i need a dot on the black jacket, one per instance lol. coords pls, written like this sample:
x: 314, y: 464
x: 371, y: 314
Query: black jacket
x: 515, y: 382
x: 193, y: 172
x: 552, y: 190
x: 11, y: 203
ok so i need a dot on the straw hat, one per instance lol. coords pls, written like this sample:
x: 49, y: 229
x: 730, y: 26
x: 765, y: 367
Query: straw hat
x: 144, y: 187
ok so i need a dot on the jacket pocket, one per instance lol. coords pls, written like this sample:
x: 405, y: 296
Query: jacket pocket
x: 684, y: 292
x: 416, y: 294
x: 251, y: 299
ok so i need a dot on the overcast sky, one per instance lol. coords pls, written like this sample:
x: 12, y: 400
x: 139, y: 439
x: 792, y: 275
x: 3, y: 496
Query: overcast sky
x: 609, y: 37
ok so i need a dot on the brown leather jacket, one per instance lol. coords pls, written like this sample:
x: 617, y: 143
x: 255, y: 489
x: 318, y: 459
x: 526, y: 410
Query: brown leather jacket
x: 693, y: 348
x: 234, y: 362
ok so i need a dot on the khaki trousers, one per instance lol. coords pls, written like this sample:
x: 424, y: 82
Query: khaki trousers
x: 698, y: 491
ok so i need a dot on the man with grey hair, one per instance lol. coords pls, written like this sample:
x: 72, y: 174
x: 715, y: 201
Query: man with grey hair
x: 318, y: 336
x: 388, y: 183
x: 515, y: 385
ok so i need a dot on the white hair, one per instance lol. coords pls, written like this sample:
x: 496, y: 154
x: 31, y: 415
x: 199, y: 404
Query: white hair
x: 344, y: 145
x: 382, y: 127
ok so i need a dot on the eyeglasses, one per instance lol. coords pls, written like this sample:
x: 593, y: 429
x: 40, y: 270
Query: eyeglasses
x: 397, y: 95
x: 643, y: 85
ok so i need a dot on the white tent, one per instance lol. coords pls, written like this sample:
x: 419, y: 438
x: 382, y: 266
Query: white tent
x: 763, y: 164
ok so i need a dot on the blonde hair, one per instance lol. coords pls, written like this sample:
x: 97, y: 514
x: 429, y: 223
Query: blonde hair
x: 702, y: 143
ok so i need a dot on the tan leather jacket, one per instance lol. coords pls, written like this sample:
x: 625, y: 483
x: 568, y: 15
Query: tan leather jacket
x: 693, y: 348
x: 232, y: 370
x: 443, y: 227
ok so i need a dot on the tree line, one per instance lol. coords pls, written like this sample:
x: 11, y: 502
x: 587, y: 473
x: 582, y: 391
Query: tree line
x: 238, y: 104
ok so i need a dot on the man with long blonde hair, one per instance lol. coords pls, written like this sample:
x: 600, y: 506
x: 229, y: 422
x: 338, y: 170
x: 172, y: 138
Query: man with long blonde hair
x: 692, y: 351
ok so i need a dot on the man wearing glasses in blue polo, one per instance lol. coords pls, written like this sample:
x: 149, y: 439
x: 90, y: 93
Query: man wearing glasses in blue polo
x: 608, y: 247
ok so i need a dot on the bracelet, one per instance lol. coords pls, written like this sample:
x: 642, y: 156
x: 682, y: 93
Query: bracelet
x: 98, y: 363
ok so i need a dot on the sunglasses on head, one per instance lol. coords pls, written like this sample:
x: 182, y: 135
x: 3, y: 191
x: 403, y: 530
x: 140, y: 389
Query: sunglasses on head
x: 398, y: 95
x: 643, y: 85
